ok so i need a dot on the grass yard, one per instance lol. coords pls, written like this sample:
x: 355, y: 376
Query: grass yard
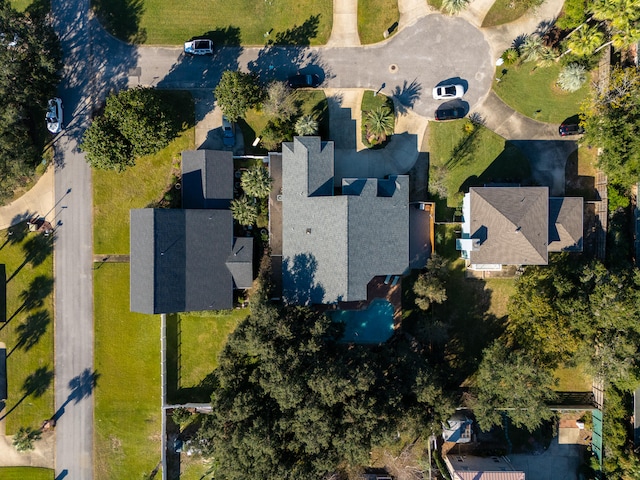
x: 21, y: 6
x: 311, y: 102
x: 532, y: 91
x: 28, y: 332
x: 188, y: 367
x: 580, y: 173
x: 127, y: 396
x: 572, y: 379
x: 166, y: 22
x: 501, y: 290
x: 376, y: 16
x: 460, y: 160
x: 435, y: 4
x: 138, y: 187
x: 505, y: 11
x: 26, y: 473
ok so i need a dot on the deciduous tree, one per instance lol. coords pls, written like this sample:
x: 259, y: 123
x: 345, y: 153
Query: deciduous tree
x: 236, y: 93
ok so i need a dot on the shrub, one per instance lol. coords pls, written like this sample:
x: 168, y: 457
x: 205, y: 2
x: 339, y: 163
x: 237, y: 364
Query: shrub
x: 378, y: 124
x: 572, y: 77
x: 244, y: 211
x: 453, y: 7
x: 280, y: 103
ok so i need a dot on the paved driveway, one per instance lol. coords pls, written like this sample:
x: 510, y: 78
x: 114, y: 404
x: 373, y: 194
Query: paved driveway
x: 436, y: 48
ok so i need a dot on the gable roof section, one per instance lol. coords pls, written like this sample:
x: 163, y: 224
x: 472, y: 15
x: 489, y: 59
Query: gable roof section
x: 207, y: 179
x: 333, y: 245
x: 240, y: 262
x: 490, y: 475
x: 510, y: 224
x: 565, y: 224
x: 178, y: 260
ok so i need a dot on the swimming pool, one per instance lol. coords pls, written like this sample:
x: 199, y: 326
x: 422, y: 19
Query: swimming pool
x: 373, y: 325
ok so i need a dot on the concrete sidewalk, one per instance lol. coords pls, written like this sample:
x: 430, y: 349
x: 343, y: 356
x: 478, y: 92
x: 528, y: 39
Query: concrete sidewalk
x: 38, y: 200
x: 344, y: 32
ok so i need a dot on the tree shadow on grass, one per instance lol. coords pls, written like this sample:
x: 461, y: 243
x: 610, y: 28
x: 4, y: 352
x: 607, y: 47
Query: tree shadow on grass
x: 36, y: 250
x: 300, y: 35
x: 510, y: 167
x: 31, y: 330
x: 121, y: 18
x: 35, y: 384
x: 33, y: 297
x: 226, y: 36
x: 18, y: 232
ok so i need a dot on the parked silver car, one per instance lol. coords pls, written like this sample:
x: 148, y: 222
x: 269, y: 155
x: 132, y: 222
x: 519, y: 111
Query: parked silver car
x: 54, y: 115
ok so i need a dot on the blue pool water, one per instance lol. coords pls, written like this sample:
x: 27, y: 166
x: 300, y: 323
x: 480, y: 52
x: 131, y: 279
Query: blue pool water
x: 373, y: 325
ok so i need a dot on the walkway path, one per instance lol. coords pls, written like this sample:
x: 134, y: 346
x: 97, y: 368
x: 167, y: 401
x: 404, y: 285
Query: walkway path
x: 476, y: 11
x: 411, y: 11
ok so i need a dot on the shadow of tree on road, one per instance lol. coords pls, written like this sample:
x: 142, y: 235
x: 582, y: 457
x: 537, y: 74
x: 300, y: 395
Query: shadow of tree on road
x: 81, y: 386
x: 406, y: 96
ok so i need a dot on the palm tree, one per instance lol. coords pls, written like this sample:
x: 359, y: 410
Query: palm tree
x: 306, y: 125
x: 585, y: 41
x: 572, y: 77
x: 623, y: 19
x: 244, y: 211
x: 510, y: 56
x: 532, y: 48
x: 453, y: 7
x: 546, y: 57
x: 25, y: 437
x: 256, y: 181
x: 378, y: 124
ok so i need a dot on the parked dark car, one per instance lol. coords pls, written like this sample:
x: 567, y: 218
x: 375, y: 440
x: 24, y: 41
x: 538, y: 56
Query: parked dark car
x: 570, y: 129
x: 304, y: 81
x: 450, y: 113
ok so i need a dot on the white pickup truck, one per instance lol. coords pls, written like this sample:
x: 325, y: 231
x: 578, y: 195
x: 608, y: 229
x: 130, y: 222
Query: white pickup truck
x: 199, y: 46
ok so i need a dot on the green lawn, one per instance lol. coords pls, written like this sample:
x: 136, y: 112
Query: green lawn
x: 127, y: 396
x: 311, y: 102
x: 138, y: 187
x: 376, y: 16
x: 28, y: 333
x: 26, y: 473
x: 482, y: 157
x: 166, y: 22
x: 21, y: 6
x: 532, y: 91
x: 572, y: 379
x: 505, y: 11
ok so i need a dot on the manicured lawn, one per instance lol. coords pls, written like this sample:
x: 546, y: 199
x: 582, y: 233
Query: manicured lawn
x: 21, y: 6
x: 138, y: 187
x: 500, y: 290
x: 436, y: 4
x: 26, y: 473
x: 572, y: 379
x: 482, y: 157
x: 166, y: 22
x: 371, y: 102
x: 580, y: 173
x: 532, y: 91
x: 376, y: 16
x: 505, y: 11
x: 127, y: 396
x: 311, y: 102
x: 28, y: 333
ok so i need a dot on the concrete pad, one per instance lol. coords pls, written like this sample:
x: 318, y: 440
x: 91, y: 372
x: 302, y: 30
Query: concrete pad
x: 476, y: 11
x: 411, y: 11
x: 41, y: 456
x: 39, y: 200
x: 558, y: 461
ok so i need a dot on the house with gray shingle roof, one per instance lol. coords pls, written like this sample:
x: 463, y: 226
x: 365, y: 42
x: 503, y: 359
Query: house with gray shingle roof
x: 470, y: 467
x: 337, y: 234
x: 517, y: 226
x: 188, y: 259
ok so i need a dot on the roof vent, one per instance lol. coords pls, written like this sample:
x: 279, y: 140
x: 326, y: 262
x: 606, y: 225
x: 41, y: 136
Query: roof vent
x: 308, y: 231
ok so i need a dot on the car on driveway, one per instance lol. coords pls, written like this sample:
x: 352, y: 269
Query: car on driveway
x: 304, y: 81
x: 448, y: 92
x: 199, y: 46
x: 449, y: 113
x: 54, y: 115
x: 570, y: 129
x: 228, y: 133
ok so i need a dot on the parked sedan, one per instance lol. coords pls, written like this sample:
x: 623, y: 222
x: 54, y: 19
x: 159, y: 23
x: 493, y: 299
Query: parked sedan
x: 199, y: 46
x: 54, y: 115
x: 570, y: 129
x: 228, y: 133
x: 448, y: 92
x: 449, y: 113
x: 304, y: 81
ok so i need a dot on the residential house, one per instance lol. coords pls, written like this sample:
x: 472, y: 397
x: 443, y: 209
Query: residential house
x: 188, y: 259
x: 470, y: 467
x: 338, y: 234
x: 517, y: 226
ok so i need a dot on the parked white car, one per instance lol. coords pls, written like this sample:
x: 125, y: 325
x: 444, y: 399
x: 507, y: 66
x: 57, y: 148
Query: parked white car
x: 199, y: 46
x: 448, y: 92
x: 228, y: 133
x: 54, y: 115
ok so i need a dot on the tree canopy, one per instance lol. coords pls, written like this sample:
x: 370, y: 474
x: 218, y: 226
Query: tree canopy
x: 291, y: 402
x: 255, y: 181
x: 611, y: 118
x: 236, y: 93
x: 134, y: 123
x: 30, y: 59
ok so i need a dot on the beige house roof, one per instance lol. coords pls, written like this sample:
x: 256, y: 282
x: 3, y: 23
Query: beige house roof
x: 510, y: 224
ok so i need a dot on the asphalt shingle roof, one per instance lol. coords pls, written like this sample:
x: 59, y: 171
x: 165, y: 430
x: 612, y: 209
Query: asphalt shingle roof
x: 565, y: 224
x: 511, y: 225
x: 207, y: 179
x: 332, y: 246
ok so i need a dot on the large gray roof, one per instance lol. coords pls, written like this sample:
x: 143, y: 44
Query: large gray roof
x: 178, y: 260
x: 511, y: 225
x: 207, y: 179
x: 332, y: 246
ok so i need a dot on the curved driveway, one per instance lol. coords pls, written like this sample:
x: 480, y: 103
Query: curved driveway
x: 433, y: 49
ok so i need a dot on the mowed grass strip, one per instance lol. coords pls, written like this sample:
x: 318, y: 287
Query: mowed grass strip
x: 375, y: 17
x: 26, y: 473
x: 166, y: 22
x: 28, y: 334
x: 505, y: 11
x: 489, y: 158
x: 532, y: 91
x: 127, y: 395
x: 114, y: 194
